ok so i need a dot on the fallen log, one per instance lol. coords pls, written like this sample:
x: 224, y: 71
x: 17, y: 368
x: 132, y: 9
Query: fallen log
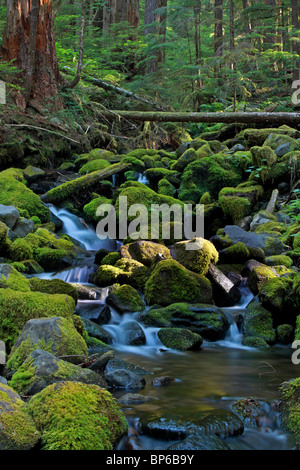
x: 228, y: 118
x: 272, y: 203
x: 81, y: 185
x: 111, y: 87
x: 225, y: 292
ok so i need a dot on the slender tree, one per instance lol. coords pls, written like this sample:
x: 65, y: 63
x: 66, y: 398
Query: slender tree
x: 295, y: 43
x: 218, y: 37
x: 155, y: 30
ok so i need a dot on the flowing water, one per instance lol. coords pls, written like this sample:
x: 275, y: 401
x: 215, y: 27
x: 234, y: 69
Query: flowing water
x: 205, y: 380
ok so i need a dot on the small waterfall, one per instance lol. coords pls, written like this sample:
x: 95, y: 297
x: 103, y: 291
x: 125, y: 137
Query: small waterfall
x: 81, y: 231
x: 142, y: 179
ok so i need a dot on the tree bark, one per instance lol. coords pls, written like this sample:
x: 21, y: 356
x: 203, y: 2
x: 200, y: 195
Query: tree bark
x: 240, y: 117
x: 29, y: 40
x: 218, y: 37
x: 155, y: 28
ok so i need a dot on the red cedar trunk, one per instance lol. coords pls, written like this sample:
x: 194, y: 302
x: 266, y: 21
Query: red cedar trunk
x: 218, y: 27
x: 156, y: 26
x: 116, y: 11
x: 134, y: 13
x: 18, y: 46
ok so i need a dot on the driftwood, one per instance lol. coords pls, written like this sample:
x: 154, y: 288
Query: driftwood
x: 272, y: 203
x: 83, y: 184
x: 228, y: 118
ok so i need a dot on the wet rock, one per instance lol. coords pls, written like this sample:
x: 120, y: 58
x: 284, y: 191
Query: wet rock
x: 200, y: 443
x: 100, y: 255
x: 3, y: 380
x: 133, y: 334
x: 121, y: 378
x: 100, y: 364
x: 258, y: 322
x: 87, y: 292
x: 9, y: 215
x: 282, y: 149
x: 163, y: 381
x: 126, y: 299
x: 225, y: 293
x: 96, y: 331
x: 33, y: 174
x: 145, y: 251
x: 42, y: 369
x: 255, y: 342
x: 133, y: 443
x: 222, y: 423
x: 135, y: 399
x: 121, y: 364
x: 23, y: 227
x: 270, y: 244
x: 94, y: 312
x: 179, y: 338
x: 167, y: 428
x: 285, y: 334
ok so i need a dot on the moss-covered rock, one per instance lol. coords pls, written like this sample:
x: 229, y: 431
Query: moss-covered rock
x: 290, y: 407
x: 16, y: 308
x: 188, y: 156
x: 10, y: 278
x: 258, y: 276
x: 263, y: 156
x: 237, y: 202
x: 196, y: 254
x: 56, y: 335
x: 125, y: 271
x: 276, y: 292
x: 126, y: 299
x: 73, y: 416
x: 17, y: 429
x: 14, y: 192
x: 237, y: 253
x: 93, y: 165
x: 171, y: 282
x: 145, y: 252
x: 279, y: 260
x: 179, y: 338
x: 42, y: 368
x: 255, y: 342
x: 166, y: 188
x: 53, y: 286
x: 258, y: 322
x: 90, y: 209
x: 206, y: 320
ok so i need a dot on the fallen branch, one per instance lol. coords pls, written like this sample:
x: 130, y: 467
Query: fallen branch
x: 116, y: 89
x: 247, y: 118
x: 42, y: 129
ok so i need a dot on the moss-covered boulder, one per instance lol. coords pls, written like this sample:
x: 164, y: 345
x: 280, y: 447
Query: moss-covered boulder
x: 17, y: 429
x: 290, y: 407
x: 125, y: 271
x: 188, y: 156
x: 170, y: 282
x: 196, y: 254
x: 93, y: 165
x: 255, y: 342
x: 258, y: 322
x: 125, y: 299
x: 237, y: 253
x: 236, y: 202
x: 207, y: 321
x: 263, y: 156
x: 42, y: 368
x: 111, y: 258
x: 56, y: 335
x: 13, y: 191
x: 179, y: 338
x: 10, y: 278
x: 276, y: 294
x: 145, y: 251
x: 90, y: 209
x: 279, y: 260
x: 73, y: 416
x: 53, y: 286
x: 16, y: 308
x: 258, y: 276
x: 166, y: 188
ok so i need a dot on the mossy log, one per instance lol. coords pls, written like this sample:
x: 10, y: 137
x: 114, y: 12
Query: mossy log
x: 248, y: 118
x: 84, y: 183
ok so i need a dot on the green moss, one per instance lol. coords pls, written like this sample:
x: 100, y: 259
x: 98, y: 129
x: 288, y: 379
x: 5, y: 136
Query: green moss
x: 236, y: 253
x: 205, y: 198
x: 14, y: 192
x: 140, y: 153
x: 93, y: 165
x: 10, y: 278
x: 73, y: 416
x: 279, y: 260
x: 145, y: 252
x: 255, y: 342
x: 179, y: 338
x: 285, y: 334
x: 127, y: 298
x: 204, y: 151
x: 197, y: 260
x: 258, y: 276
x: 170, y: 282
x: 20, y: 250
x: 166, y: 188
x: 189, y: 156
x: 237, y: 202
x: 111, y: 258
x: 136, y: 164
x: 291, y: 407
x: 275, y: 292
x: 17, y: 429
x: 263, y: 156
x: 53, y: 286
x: 258, y: 322
x: 125, y: 271
x: 90, y: 209
x: 16, y: 308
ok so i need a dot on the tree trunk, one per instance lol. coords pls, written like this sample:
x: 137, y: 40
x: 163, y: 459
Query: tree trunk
x: 198, y: 39
x: 218, y: 38
x: 247, y: 18
x: 29, y: 41
x: 155, y: 29
x: 292, y: 119
x: 295, y: 44
x: 270, y: 34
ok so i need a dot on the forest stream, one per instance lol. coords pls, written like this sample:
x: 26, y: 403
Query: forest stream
x: 211, y: 379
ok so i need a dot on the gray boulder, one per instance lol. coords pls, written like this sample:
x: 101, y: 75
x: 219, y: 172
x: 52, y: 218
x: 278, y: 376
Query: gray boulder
x: 23, y: 227
x: 121, y: 378
x: 9, y: 215
x: 268, y: 242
